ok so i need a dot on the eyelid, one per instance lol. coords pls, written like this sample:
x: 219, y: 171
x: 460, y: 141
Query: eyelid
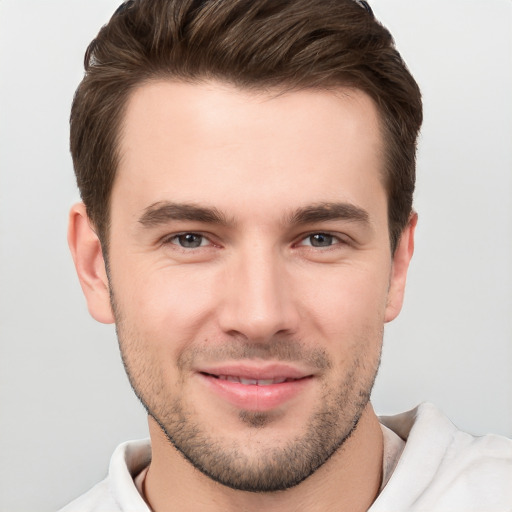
x: 168, y: 239
x: 340, y: 238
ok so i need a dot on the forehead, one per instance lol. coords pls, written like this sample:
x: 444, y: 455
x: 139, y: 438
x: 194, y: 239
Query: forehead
x: 212, y: 142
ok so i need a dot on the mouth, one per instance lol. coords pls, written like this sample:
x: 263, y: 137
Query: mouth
x: 254, y: 388
x: 252, y: 381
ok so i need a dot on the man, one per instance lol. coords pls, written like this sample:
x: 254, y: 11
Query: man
x: 247, y: 172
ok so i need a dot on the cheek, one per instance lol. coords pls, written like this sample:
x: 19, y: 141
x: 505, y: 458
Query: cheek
x: 167, y: 305
x: 346, y: 301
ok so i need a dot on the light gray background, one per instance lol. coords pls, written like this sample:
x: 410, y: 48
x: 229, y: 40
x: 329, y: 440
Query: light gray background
x: 65, y: 402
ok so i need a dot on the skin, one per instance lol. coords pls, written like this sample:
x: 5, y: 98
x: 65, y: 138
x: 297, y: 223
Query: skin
x: 293, y: 268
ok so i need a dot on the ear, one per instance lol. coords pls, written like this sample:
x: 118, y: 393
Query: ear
x: 89, y: 263
x: 401, y: 260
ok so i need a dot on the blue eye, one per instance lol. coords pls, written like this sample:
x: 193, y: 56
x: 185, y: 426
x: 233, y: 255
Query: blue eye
x: 320, y: 240
x: 189, y: 240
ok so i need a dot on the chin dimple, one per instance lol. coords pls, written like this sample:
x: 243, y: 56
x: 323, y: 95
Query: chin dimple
x: 253, y: 382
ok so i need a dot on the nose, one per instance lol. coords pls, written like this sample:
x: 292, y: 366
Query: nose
x: 258, y: 297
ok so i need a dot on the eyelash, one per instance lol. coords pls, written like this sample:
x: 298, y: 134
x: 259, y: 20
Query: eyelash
x: 335, y: 240
x: 170, y: 240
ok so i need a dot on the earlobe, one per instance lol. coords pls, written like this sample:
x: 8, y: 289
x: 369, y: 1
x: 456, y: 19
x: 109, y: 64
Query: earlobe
x: 89, y: 263
x: 401, y: 260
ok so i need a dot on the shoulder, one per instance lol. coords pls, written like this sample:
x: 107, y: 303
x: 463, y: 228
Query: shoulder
x: 97, y: 499
x: 117, y: 493
x: 444, y: 468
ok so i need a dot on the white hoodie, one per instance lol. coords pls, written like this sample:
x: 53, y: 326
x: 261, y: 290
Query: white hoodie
x: 441, y: 469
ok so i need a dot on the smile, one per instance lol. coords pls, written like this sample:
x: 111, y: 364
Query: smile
x: 253, y: 382
x: 256, y: 389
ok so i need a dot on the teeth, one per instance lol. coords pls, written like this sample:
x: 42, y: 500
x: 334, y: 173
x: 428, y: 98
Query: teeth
x: 249, y: 382
x: 266, y: 382
x: 254, y: 382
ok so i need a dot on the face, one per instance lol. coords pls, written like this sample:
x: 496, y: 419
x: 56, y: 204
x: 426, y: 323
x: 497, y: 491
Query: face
x: 251, y: 273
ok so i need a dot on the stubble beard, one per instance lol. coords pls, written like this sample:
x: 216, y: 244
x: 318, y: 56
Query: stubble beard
x: 266, y: 468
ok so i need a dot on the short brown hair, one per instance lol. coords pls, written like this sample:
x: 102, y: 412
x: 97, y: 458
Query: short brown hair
x: 252, y: 44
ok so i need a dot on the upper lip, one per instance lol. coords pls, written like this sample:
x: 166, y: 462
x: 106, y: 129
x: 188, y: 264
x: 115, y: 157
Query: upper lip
x: 256, y: 371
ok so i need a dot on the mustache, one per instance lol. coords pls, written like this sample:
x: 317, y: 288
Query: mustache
x: 239, y: 348
x: 242, y: 350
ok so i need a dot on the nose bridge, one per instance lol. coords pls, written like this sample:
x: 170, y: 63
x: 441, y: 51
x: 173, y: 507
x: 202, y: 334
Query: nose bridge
x: 257, y: 299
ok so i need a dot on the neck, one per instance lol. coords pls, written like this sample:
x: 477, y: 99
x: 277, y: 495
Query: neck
x: 349, y: 480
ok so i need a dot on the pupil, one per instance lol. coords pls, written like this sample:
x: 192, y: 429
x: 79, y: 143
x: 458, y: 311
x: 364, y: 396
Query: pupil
x: 190, y: 240
x: 321, y: 240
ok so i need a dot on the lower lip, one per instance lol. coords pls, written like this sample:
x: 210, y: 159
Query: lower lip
x: 254, y: 397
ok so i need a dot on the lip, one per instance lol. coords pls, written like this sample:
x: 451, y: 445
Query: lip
x: 224, y: 381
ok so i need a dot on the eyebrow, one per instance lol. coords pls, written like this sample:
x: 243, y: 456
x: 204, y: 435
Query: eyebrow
x: 162, y: 212
x: 328, y: 211
x: 165, y: 211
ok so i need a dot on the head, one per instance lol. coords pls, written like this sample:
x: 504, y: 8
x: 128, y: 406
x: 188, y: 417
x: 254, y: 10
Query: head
x: 255, y: 46
x: 247, y: 166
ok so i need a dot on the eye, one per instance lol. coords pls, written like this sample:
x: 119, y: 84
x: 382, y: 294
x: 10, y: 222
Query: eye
x: 189, y: 240
x: 320, y: 240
